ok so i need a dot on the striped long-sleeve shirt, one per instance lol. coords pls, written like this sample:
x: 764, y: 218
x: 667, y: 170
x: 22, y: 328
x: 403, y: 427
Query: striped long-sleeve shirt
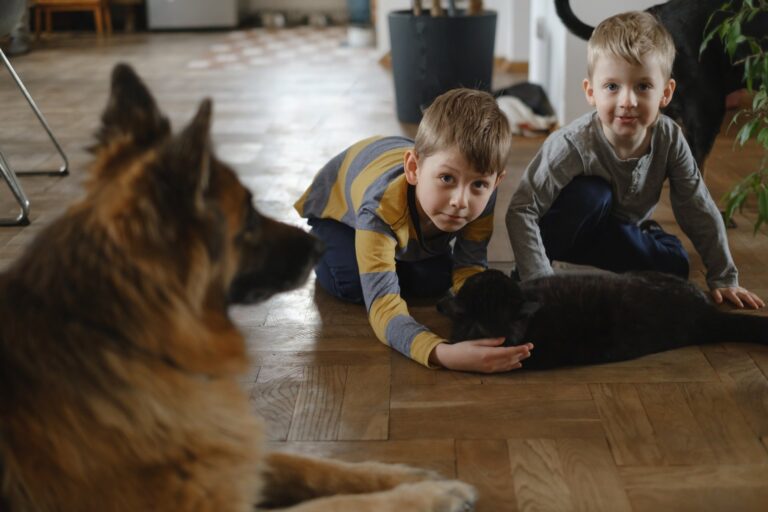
x: 365, y: 188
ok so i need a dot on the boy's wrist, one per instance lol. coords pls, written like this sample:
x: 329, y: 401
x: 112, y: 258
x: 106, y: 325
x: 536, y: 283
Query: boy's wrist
x: 437, y: 356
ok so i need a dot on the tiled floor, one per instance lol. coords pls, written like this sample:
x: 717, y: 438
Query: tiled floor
x: 684, y: 430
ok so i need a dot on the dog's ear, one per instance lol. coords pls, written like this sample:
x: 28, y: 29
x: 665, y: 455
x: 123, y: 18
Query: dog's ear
x: 186, y: 159
x: 131, y: 111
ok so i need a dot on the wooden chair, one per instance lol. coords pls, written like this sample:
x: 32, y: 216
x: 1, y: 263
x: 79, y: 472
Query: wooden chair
x: 100, y: 9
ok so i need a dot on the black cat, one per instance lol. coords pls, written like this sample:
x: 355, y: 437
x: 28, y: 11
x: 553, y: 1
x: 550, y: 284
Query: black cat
x: 594, y: 318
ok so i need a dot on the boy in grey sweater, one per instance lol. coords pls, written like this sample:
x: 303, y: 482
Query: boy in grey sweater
x: 587, y: 195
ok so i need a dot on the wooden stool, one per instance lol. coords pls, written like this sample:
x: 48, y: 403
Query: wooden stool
x: 100, y: 9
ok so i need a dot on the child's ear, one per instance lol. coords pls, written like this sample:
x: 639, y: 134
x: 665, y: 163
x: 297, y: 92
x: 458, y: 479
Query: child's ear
x: 589, y: 92
x: 411, y: 165
x: 669, y: 90
x: 499, y: 177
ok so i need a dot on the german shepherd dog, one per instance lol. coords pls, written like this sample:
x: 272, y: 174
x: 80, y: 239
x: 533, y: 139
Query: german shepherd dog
x: 591, y: 318
x: 119, y: 361
x: 703, y: 81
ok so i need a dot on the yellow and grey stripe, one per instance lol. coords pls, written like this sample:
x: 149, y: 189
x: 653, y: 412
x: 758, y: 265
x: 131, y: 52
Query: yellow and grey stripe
x: 365, y: 188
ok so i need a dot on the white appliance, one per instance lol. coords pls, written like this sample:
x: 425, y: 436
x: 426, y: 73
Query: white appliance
x: 180, y: 14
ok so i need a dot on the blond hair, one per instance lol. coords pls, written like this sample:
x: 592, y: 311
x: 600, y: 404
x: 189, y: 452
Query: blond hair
x: 471, y: 121
x: 632, y: 35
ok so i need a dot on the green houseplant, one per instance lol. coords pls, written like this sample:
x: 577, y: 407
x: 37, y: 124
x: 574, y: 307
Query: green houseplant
x: 740, y: 26
x: 439, y: 48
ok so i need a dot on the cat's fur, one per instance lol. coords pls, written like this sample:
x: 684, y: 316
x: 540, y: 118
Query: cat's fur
x: 575, y: 319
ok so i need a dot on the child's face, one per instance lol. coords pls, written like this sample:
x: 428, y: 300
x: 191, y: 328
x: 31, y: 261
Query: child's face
x: 627, y: 96
x: 449, y: 192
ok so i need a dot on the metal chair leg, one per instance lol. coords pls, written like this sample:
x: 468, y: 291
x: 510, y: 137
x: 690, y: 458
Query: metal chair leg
x: 64, y: 169
x: 23, y: 218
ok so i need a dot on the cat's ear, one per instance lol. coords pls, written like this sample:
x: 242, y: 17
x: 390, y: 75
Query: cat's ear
x: 528, y: 309
x: 518, y: 324
x: 516, y: 332
x: 450, y: 307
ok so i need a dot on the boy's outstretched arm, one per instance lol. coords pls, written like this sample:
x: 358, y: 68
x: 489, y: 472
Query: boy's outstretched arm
x: 483, y: 355
x: 738, y: 296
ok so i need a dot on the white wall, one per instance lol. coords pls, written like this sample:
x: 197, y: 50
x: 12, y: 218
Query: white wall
x: 512, y: 41
x: 296, y: 5
x: 295, y: 10
x: 558, y: 59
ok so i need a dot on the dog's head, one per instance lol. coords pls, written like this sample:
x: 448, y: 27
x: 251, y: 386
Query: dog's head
x: 489, y: 305
x: 176, y: 206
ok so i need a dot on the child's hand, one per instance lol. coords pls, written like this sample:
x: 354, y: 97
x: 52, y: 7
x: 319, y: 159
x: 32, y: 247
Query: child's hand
x: 484, y: 355
x: 738, y: 296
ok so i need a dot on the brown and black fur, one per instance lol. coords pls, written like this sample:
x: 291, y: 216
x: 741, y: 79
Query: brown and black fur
x: 703, y: 81
x: 591, y: 318
x: 119, y: 361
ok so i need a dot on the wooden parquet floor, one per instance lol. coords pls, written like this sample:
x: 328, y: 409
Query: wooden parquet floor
x: 685, y: 430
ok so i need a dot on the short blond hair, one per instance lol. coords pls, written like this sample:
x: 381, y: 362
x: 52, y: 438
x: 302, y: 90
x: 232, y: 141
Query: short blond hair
x: 471, y: 121
x: 632, y: 35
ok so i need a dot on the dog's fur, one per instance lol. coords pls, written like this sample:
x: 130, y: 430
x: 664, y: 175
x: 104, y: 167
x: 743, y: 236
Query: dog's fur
x: 119, y: 362
x: 590, y: 318
x: 703, y: 81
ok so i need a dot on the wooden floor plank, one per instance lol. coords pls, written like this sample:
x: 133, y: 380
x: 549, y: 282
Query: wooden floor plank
x: 365, y: 410
x: 744, y: 381
x: 485, y: 464
x: 538, y: 475
x: 318, y: 405
x: 627, y: 427
x: 592, y: 476
x: 495, y: 392
x: 721, y: 421
x: 706, y: 499
x: 274, y: 398
x: 695, y: 476
x: 676, y: 430
x: 570, y: 418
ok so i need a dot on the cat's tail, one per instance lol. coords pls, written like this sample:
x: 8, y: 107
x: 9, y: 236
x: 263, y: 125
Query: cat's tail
x: 740, y: 327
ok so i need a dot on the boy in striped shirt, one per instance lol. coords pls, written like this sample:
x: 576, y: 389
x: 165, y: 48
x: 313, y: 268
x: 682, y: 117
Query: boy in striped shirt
x: 402, y: 218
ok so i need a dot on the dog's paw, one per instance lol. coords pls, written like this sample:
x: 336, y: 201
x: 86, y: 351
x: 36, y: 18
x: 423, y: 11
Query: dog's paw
x: 444, y: 496
x: 459, y: 497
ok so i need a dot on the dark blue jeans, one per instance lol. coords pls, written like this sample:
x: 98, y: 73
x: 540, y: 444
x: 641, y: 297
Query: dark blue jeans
x: 338, y: 274
x: 579, y: 228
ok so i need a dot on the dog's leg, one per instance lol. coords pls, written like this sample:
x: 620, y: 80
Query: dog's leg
x: 431, y: 496
x: 291, y: 478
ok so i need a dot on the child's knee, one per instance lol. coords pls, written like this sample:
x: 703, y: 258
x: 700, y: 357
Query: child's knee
x: 673, y: 258
x: 592, y: 193
x: 677, y: 263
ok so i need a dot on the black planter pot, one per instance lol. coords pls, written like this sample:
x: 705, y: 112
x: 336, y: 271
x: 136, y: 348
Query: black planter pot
x: 432, y: 55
